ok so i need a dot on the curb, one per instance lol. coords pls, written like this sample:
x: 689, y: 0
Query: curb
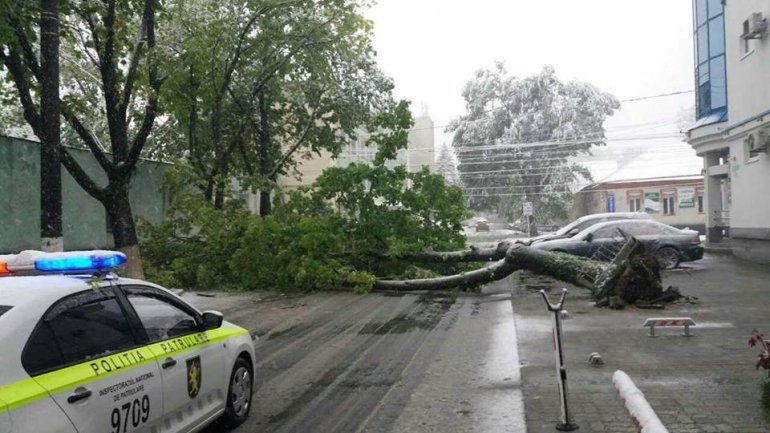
x: 718, y: 250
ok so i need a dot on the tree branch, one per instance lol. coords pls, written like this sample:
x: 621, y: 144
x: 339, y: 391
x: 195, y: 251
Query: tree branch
x: 495, y: 272
x: 276, y: 66
x: 133, y: 66
x: 81, y: 177
x: 12, y: 62
x: 88, y: 137
x: 155, y: 83
x: 26, y: 46
x: 471, y: 255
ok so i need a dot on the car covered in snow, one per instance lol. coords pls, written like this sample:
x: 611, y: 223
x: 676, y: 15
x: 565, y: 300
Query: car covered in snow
x: 585, y: 222
x: 668, y: 244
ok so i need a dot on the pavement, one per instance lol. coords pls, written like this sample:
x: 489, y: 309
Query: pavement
x: 340, y: 362
x: 705, y: 383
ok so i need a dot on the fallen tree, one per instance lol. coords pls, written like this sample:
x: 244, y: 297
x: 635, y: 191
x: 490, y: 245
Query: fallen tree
x: 632, y: 276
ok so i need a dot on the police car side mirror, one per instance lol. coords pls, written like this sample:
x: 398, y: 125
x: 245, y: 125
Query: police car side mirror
x: 589, y: 237
x: 212, y: 320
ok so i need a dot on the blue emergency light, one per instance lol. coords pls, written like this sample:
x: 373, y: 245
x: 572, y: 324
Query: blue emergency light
x: 31, y: 262
x: 66, y: 264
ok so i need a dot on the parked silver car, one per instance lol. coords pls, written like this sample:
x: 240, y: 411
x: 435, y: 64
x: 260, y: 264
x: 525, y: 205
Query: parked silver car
x: 585, y: 222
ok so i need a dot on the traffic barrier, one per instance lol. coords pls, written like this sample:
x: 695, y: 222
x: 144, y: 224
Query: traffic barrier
x: 669, y: 321
x: 641, y: 412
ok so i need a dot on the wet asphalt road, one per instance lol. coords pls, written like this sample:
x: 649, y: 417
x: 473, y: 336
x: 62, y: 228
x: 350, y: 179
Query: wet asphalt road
x: 339, y: 362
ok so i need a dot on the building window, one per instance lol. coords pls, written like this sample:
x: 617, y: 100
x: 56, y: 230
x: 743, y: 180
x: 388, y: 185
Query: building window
x: 710, y: 76
x: 668, y: 205
x: 669, y: 198
x: 635, y: 205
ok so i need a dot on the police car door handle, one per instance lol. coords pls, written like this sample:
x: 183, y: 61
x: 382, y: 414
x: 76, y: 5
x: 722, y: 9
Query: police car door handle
x: 80, y: 394
x: 168, y: 363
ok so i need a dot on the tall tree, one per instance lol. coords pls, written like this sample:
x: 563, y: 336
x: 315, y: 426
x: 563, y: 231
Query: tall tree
x: 113, y: 45
x: 519, y: 137
x: 446, y: 164
x: 267, y: 84
x: 50, y: 142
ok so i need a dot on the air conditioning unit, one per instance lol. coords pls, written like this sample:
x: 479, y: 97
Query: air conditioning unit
x: 758, y: 141
x: 754, y: 27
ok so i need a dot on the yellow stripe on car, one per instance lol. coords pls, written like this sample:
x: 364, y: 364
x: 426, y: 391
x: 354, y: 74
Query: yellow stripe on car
x: 29, y: 390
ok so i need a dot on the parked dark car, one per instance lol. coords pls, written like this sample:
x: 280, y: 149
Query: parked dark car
x: 669, y: 245
x: 583, y: 223
x: 482, y: 225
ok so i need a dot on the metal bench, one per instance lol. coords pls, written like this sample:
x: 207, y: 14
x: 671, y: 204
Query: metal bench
x: 669, y: 321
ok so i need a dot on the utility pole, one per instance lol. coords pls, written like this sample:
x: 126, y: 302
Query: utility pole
x: 50, y: 156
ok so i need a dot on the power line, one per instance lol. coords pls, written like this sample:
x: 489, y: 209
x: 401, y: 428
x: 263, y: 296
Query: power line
x: 634, y: 99
x: 551, y: 184
x: 507, y: 157
x: 642, y: 98
x: 524, y: 194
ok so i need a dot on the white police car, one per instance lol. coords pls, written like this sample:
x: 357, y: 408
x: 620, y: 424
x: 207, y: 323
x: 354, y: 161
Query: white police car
x: 81, y: 353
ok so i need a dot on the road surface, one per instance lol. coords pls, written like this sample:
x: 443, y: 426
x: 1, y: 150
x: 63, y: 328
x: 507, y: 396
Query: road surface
x: 339, y: 362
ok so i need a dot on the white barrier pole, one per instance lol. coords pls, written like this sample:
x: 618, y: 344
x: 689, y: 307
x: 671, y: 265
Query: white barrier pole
x: 641, y: 412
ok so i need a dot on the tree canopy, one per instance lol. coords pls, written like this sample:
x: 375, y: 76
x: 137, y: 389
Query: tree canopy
x: 519, y: 136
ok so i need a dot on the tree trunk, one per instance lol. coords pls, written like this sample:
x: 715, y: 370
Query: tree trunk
x: 265, y: 204
x: 565, y: 267
x: 219, y: 196
x: 50, y: 157
x: 631, y: 276
x: 124, y: 230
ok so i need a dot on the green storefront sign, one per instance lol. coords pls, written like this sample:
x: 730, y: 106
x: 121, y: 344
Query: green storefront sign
x: 686, y: 197
x: 652, y: 202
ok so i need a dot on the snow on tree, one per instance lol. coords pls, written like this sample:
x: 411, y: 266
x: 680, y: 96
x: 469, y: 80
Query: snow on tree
x: 447, y: 165
x: 518, y: 139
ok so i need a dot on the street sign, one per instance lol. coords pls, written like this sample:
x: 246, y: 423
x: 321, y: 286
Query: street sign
x: 527, y: 208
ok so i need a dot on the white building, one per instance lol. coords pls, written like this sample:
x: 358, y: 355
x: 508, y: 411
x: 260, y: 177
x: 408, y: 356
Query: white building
x: 419, y: 151
x: 732, y: 132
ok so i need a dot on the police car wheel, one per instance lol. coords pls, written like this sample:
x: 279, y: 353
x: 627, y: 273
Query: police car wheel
x: 238, y: 394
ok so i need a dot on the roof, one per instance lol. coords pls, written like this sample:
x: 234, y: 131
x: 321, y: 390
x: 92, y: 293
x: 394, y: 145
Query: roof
x: 693, y: 180
x: 38, y: 289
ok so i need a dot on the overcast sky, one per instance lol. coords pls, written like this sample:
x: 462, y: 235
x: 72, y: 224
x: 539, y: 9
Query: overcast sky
x: 431, y: 48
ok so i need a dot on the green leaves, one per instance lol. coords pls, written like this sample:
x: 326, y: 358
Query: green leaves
x: 353, y: 224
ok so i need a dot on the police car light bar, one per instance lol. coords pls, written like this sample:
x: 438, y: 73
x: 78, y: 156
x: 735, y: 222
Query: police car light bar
x: 36, y: 262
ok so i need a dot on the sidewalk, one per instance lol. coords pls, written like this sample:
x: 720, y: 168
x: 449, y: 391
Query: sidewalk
x: 706, y: 383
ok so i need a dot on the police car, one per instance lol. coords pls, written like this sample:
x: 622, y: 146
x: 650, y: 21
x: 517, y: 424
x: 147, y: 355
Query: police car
x: 82, y: 350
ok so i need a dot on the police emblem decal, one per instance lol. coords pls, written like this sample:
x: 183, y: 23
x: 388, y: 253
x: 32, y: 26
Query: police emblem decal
x: 194, y: 376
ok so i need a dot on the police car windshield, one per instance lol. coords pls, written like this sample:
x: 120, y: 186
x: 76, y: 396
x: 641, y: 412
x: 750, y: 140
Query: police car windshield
x: 4, y: 308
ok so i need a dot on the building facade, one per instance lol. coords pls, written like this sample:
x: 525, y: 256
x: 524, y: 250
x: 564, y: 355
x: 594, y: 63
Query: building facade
x: 676, y: 201
x: 419, y: 153
x: 732, y: 131
x: 84, y: 218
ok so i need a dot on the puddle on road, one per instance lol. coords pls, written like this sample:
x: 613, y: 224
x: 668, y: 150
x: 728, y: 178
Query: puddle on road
x: 430, y: 310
